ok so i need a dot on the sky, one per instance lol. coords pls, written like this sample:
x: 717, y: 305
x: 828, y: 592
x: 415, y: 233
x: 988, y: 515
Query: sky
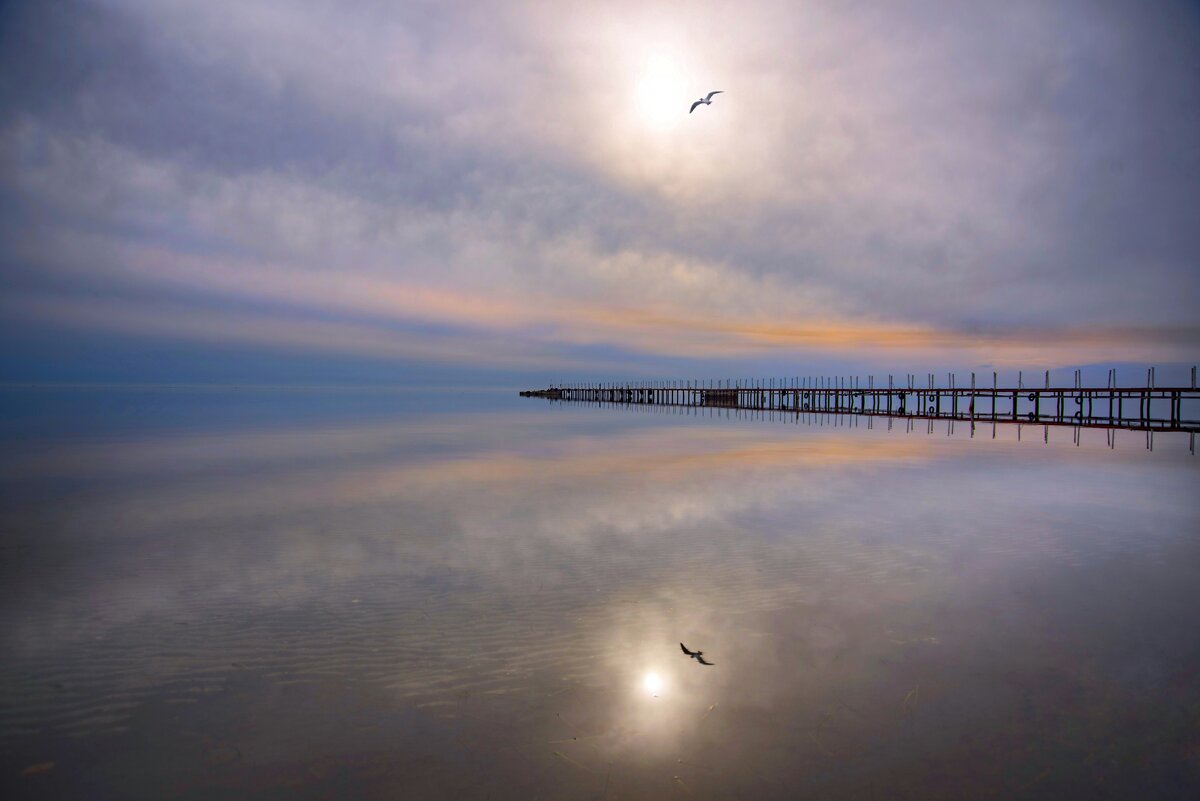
x: 515, y: 193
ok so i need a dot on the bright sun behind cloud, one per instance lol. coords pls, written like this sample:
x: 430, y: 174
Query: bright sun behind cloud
x: 662, y: 94
x: 636, y: 81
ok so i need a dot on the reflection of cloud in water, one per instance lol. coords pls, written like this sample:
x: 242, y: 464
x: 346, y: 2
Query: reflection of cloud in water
x: 831, y: 571
x: 520, y: 508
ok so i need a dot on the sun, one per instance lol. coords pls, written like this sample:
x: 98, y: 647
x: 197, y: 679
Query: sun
x: 661, y: 96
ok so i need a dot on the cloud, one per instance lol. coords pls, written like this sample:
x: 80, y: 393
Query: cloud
x: 978, y: 183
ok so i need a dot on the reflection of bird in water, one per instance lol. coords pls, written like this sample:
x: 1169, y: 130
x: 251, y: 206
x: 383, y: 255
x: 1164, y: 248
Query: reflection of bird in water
x: 697, y: 655
x: 705, y: 100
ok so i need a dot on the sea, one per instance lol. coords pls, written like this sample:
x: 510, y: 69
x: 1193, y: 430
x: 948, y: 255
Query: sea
x: 237, y: 592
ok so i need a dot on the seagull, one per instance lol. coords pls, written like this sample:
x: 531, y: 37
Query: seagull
x: 705, y: 100
x: 697, y: 655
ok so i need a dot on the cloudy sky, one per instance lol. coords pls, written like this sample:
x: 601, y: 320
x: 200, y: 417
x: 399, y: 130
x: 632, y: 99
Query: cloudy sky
x: 321, y: 190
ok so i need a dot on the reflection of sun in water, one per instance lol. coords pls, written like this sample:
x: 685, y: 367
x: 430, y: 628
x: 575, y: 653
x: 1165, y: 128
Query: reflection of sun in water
x: 662, y: 98
x: 652, y: 683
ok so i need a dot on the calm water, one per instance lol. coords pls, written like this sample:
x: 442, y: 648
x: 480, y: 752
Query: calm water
x: 326, y: 594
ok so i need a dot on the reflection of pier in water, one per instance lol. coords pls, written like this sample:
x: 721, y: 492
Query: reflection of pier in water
x: 1150, y: 408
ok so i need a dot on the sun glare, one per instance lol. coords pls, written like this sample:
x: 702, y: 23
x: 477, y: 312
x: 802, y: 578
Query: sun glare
x: 662, y: 98
x: 652, y: 683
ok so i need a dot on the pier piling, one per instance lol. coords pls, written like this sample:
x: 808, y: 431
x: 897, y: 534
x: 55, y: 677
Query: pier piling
x: 1158, y: 409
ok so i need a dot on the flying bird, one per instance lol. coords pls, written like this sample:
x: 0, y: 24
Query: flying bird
x: 705, y: 100
x: 697, y: 655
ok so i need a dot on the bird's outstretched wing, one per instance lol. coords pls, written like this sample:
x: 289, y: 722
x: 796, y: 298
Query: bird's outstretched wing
x: 686, y: 651
x: 710, y: 94
x: 693, y: 108
x: 704, y: 661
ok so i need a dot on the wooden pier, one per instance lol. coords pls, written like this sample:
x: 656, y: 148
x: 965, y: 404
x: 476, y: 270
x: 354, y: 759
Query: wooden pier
x: 1149, y: 408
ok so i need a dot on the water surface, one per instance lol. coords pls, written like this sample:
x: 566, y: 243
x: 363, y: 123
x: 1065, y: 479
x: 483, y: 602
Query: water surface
x: 229, y: 593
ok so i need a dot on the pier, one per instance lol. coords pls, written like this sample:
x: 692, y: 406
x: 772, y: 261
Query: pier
x: 1147, y: 408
